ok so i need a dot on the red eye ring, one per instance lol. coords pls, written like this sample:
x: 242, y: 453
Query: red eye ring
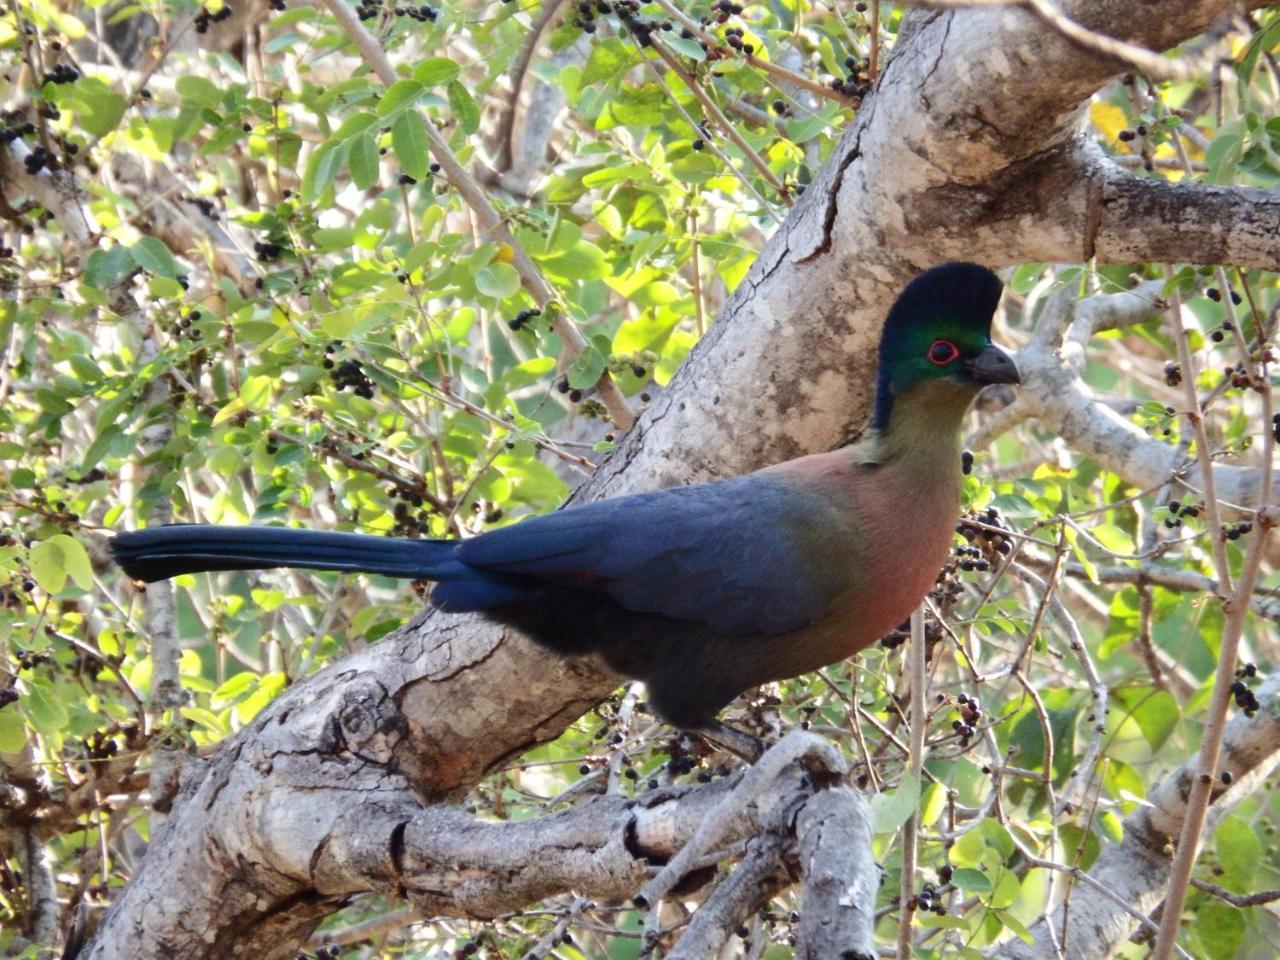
x: 942, y: 352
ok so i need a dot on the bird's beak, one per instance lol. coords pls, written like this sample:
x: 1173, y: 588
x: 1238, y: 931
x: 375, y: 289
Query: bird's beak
x: 993, y: 365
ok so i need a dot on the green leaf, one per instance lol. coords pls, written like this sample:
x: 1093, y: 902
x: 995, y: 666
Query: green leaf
x: 587, y: 367
x: 13, y: 733
x: 893, y: 808
x: 54, y: 560
x: 198, y: 89
x: 410, y: 142
x: 464, y: 108
x: 45, y: 564
x: 75, y: 559
x: 584, y: 261
x: 1239, y: 852
x: 435, y: 70
x: 689, y: 48
x: 355, y: 125
x: 322, y: 169
x: 608, y: 61
x: 104, y: 268
x: 153, y: 256
x: 498, y: 280
x: 364, y: 161
x: 99, y: 108
x: 971, y: 881
x: 1220, y: 928
x: 47, y: 715
x: 399, y: 96
x: 255, y: 392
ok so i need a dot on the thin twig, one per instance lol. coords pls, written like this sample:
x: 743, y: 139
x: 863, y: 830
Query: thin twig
x: 915, y: 756
x: 723, y: 122
x: 767, y: 66
x: 490, y: 220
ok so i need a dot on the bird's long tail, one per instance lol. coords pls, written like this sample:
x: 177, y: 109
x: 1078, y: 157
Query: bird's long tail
x: 158, y: 553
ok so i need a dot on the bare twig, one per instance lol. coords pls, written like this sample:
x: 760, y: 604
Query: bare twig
x: 915, y: 757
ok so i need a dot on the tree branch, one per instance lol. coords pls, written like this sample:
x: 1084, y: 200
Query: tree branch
x: 1150, y: 218
x: 1136, y: 869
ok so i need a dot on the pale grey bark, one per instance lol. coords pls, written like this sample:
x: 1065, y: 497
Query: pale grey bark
x: 971, y: 147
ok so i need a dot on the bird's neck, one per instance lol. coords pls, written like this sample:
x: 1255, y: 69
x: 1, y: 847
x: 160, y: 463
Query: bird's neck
x: 922, y: 429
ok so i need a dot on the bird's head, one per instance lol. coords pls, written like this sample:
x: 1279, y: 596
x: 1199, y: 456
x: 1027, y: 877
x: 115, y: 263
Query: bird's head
x: 939, y: 332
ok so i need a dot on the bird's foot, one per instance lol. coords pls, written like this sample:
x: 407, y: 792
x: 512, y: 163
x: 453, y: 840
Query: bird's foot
x: 734, y: 741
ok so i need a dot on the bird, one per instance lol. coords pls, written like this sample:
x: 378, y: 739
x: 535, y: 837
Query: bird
x: 706, y: 590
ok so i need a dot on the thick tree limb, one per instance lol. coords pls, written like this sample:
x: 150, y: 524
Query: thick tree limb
x: 839, y: 916
x: 1149, y: 218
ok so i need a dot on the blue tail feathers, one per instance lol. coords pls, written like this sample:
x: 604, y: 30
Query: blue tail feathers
x: 161, y: 552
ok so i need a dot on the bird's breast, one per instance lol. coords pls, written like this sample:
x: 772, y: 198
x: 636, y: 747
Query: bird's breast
x: 905, y: 518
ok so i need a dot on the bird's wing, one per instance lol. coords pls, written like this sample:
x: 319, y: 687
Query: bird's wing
x: 748, y: 555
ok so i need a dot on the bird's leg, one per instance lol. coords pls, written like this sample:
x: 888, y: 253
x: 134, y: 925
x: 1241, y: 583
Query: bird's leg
x: 734, y: 741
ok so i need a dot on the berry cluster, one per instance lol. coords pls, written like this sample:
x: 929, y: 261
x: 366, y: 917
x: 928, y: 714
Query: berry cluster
x: 733, y: 37
x: 100, y: 745
x: 638, y: 364
x: 1214, y: 294
x: 183, y: 326
x: 973, y: 560
x: 349, y: 374
x: 368, y: 9
x: 725, y: 9
x: 38, y: 159
x: 989, y: 540
x: 586, y: 22
x: 970, y: 713
x: 1244, y: 697
x: 523, y: 317
x: 966, y: 462
x: 14, y: 127
x: 423, y: 13
x: 62, y: 73
x: 1236, y: 373
x: 930, y: 900
x: 27, y: 660
x: 406, y: 521
x: 628, y: 12
x: 1178, y: 510
x: 205, y: 19
x: 857, y: 82
x: 267, y: 251
x: 1234, y: 531
x: 204, y: 205
x: 575, y: 394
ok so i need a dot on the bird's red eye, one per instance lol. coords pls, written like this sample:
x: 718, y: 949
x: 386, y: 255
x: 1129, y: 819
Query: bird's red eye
x: 943, y: 352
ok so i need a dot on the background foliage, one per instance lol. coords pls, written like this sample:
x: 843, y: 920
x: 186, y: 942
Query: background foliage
x: 280, y: 312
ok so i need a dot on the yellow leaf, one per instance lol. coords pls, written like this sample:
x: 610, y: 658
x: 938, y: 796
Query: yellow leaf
x: 229, y: 411
x: 1108, y: 119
